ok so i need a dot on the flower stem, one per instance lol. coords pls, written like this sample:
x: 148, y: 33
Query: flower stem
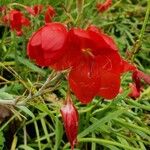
x: 17, y: 4
x: 79, y: 5
x: 145, y: 22
x: 138, y: 43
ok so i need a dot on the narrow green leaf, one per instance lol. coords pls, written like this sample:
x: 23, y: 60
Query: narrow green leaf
x: 100, y: 122
x: 25, y: 147
x: 26, y: 110
x: 30, y: 65
x: 4, y: 95
x: 2, y: 140
x: 58, y: 133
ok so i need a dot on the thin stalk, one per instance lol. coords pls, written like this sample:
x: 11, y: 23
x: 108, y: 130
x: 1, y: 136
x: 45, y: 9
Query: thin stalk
x: 138, y: 43
x: 136, y: 104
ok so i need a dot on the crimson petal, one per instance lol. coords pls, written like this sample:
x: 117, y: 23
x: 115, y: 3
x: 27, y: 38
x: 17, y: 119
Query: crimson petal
x: 110, y: 85
x: 109, y: 72
x: 46, y: 46
x: 84, y: 81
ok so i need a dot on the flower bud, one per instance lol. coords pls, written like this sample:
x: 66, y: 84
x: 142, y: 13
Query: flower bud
x: 135, y: 93
x: 136, y: 87
x: 70, y: 118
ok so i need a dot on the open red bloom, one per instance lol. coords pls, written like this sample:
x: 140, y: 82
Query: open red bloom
x: 35, y: 10
x: 101, y: 7
x: 49, y: 14
x: 70, y: 118
x: 16, y: 20
x: 95, y: 63
x: 46, y: 46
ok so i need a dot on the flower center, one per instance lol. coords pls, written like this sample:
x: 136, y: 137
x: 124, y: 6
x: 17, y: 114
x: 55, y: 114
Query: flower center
x: 88, y: 52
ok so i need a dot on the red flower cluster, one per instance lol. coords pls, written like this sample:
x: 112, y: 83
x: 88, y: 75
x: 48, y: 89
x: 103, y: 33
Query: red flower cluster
x: 70, y: 118
x: 101, y: 7
x: 16, y: 20
x: 37, y: 9
x: 92, y: 56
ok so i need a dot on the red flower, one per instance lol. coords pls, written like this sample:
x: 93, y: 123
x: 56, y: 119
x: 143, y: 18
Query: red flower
x: 16, y: 20
x: 101, y: 7
x: 46, y: 46
x: 135, y: 92
x: 70, y: 119
x: 95, y: 63
x: 35, y: 10
x: 49, y: 14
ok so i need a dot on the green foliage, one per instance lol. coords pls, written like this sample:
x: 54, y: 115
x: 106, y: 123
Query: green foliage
x: 2, y: 140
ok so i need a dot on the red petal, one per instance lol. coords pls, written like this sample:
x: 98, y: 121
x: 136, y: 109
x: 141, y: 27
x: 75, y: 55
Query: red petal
x: 84, y: 81
x: 110, y: 85
x: 30, y: 10
x: 72, y: 55
x: 34, y: 10
x: 101, y: 43
x: 69, y: 59
x: 111, y: 62
x: 37, y: 9
x: 126, y: 66
x: 25, y: 21
x: 19, y: 33
x: 46, y: 46
x: 139, y: 74
x: 109, y: 73
x: 15, y: 20
x: 49, y: 14
x: 136, y: 80
x: 2, y: 9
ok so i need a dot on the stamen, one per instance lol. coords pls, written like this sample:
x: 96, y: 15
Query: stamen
x: 88, y: 51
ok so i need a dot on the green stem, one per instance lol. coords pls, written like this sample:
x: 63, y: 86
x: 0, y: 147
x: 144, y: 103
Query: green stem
x: 79, y: 5
x: 138, y: 43
x: 145, y: 22
x: 6, y: 63
x: 17, y: 4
